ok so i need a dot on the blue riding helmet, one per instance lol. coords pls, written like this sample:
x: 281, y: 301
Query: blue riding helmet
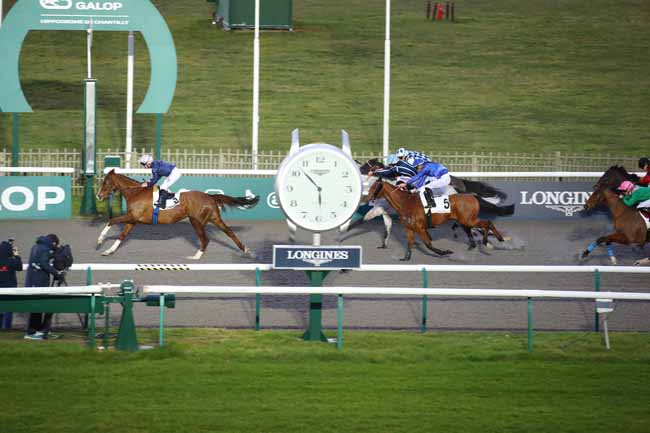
x: 392, y: 159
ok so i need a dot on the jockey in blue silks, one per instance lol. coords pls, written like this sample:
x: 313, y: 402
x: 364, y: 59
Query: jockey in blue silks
x: 160, y: 168
x: 397, y: 168
x: 432, y: 179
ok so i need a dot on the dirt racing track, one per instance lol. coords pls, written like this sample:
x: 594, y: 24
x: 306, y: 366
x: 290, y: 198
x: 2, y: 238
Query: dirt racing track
x: 532, y: 243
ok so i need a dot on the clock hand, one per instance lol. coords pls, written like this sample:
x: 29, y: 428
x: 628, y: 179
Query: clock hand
x: 312, y: 181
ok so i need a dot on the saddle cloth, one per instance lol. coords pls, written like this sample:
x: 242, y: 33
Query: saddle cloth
x: 443, y: 205
x: 646, y: 218
x: 170, y: 203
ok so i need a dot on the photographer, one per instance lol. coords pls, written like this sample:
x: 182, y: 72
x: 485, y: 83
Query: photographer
x: 10, y: 263
x: 38, y: 275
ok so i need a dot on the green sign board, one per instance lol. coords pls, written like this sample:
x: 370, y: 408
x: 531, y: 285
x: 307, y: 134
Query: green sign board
x: 35, y: 197
x: 117, y: 15
x: 267, y: 208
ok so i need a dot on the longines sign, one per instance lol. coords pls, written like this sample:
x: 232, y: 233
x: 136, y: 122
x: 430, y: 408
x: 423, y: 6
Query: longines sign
x: 316, y: 258
x: 547, y: 200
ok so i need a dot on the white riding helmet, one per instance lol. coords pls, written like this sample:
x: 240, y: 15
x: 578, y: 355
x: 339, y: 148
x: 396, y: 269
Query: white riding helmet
x: 145, y: 159
x: 400, y: 152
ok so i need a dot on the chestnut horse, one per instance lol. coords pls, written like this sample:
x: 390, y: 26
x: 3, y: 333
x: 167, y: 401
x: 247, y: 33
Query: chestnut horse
x: 464, y: 210
x: 629, y: 227
x: 200, y: 207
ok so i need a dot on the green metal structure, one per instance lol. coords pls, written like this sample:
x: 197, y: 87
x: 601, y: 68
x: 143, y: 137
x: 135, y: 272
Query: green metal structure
x: 240, y: 14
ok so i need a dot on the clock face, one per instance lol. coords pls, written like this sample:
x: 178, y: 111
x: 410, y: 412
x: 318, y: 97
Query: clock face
x: 319, y: 187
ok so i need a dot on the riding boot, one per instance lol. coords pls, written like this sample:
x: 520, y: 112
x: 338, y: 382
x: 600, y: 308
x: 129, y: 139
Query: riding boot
x: 428, y: 195
x: 162, y: 199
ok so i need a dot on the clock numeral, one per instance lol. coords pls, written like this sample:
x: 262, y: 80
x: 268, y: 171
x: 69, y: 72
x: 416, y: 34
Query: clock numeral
x: 305, y: 163
x: 303, y: 214
x: 344, y: 204
x: 320, y: 159
x: 336, y: 163
x: 289, y: 188
x: 348, y: 188
x: 345, y: 174
x: 295, y: 173
x: 333, y: 214
x: 318, y: 218
x: 293, y: 203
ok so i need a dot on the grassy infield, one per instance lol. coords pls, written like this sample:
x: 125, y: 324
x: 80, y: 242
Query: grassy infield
x: 216, y: 380
x: 510, y: 76
x: 518, y: 76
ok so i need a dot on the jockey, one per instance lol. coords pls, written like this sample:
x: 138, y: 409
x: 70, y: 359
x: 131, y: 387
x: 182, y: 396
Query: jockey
x: 398, y: 168
x: 633, y: 194
x: 432, y: 178
x: 644, y: 164
x: 160, y: 168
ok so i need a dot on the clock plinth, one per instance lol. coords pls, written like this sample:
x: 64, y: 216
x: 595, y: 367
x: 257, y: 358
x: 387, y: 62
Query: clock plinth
x: 319, y: 188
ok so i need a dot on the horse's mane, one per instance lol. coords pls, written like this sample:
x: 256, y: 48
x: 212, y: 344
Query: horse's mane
x: 623, y: 172
x: 124, y: 177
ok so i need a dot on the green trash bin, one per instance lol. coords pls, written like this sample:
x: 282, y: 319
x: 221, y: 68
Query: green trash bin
x: 240, y: 14
x: 113, y: 161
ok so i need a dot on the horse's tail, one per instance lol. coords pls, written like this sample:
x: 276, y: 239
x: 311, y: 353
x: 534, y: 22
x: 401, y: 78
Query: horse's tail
x: 222, y: 200
x: 483, y: 189
x: 486, y: 206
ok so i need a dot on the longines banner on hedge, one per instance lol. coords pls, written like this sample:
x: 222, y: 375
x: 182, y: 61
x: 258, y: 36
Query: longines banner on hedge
x: 35, y: 197
x: 533, y: 200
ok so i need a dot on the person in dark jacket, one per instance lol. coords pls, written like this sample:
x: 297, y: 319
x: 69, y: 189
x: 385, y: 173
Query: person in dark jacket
x: 39, y: 271
x: 10, y: 263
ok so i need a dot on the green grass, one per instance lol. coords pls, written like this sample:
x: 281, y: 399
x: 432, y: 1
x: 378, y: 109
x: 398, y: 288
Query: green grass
x: 242, y: 381
x: 509, y: 76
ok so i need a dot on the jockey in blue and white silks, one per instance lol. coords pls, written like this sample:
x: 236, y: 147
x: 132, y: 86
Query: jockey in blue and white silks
x: 433, y: 176
x: 160, y: 168
x: 398, y: 167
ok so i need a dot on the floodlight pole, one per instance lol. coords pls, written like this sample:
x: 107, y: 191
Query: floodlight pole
x: 386, y: 80
x: 256, y: 84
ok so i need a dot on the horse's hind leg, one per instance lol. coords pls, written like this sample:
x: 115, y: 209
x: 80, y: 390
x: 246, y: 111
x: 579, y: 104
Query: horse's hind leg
x: 424, y: 234
x: 217, y: 221
x: 470, y: 237
x: 410, y: 234
x: 496, y: 232
x: 125, y: 232
x: 199, y: 228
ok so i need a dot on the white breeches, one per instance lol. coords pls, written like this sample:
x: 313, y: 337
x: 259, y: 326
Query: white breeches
x: 171, y: 179
x: 438, y: 186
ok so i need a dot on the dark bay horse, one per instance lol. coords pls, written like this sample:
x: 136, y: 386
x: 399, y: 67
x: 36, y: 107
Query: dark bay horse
x: 487, y: 196
x: 464, y: 210
x: 198, y: 206
x: 629, y: 227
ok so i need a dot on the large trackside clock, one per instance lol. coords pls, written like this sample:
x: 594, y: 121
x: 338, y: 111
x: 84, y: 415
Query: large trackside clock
x: 319, y: 187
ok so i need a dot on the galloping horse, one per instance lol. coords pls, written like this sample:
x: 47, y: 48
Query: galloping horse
x: 200, y: 207
x: 629, y: 227
x: 464, y: 209
x: 487, y: 196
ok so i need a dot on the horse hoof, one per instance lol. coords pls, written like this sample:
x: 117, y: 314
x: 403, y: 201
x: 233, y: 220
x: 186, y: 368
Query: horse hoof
x: 382, y: 247
x: 613, y: 261
x: 471, y: 247
x: 107, y: 253
x: 506, y: 239
x: 489, y: 246
x: 447, y: 252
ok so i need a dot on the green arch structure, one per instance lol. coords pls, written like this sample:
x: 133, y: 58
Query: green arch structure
x: 117, y: 15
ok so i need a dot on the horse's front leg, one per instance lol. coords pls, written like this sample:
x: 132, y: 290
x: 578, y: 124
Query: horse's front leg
x: 125, y: 232
x: 388, y: 224
x: 109, y: 224
x: 614, y: 237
